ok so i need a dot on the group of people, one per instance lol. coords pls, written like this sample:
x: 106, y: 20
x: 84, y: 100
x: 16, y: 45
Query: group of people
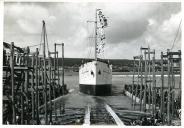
x: 147, y: 121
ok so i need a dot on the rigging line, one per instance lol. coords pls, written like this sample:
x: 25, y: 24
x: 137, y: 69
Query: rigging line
x: 176, y: 35
x: 90, y: 48
x: 89, y: 53
x: 88, y: 41
x: 47, y: 40
x: 35, y: 45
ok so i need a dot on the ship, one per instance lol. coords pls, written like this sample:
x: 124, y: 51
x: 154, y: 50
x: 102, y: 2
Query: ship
x: 95, y: 77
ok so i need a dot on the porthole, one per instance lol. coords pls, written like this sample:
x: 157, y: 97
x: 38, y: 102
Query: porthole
x: 92, y: 73
x: 99, y: 72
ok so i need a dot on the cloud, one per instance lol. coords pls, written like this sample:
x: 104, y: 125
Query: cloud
x: 131, y: 25
x: 129, y: 21
x: 161, y: 36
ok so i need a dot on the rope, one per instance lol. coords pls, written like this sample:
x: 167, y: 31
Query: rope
x: 90, y: 40
x: 176, y: 35
x: 47, y: 41
x: 43, y: 29
x: 35, y: 45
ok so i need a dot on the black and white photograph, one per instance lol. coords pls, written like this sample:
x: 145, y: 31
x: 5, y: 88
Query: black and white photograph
x: 91, y: 63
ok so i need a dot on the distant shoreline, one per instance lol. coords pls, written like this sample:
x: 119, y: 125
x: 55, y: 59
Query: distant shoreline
x: 119, y: 73
x: 136, y: 73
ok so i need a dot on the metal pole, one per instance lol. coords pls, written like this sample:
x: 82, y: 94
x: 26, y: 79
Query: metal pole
x: 12, y: 82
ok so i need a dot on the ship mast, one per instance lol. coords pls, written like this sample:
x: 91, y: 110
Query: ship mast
x: 96, y: 33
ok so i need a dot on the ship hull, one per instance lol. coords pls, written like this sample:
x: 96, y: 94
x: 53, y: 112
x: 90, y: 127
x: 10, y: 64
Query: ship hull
x: 95, y: 78
x: 96, y: 90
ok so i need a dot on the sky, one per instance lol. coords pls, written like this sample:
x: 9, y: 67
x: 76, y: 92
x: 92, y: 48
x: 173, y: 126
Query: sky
x: 130, y: 26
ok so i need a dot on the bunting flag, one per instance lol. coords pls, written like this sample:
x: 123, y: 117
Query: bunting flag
x: 102, y: 23
x: 102, y: 19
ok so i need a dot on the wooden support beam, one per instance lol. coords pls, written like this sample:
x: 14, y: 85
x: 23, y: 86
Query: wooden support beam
x: 50, y: 85
x: 32, y: 93
x: 132, y: 89
x: 58, y: 74
x: 174, y: 53
x: 148, y: 81
x: 53, y: 52
x: 26, y: 84
x: 87, y: 116
x: 141, y: 89
x: 113, y: 114
x: 162, y: 87
x: 145, y: 79
x: 153, y: 52
x: 44, y: 73
x: 142, y: 48
x: 169, y: 94
x: 54, y: 77
x: 63, y: 71
x: 154, y: 86
x: 180, y: 65
x: 12, y: 82
x: 21, y: 68
x: 137, y: 57
x: 37, y: 83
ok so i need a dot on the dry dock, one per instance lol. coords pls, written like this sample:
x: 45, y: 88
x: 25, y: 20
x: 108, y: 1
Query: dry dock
x: 34, y: 92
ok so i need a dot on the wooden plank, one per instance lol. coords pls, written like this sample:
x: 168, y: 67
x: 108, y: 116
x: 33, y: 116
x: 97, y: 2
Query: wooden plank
x: 137, y: 100
x: 113, y: 114
x: 87, y: 116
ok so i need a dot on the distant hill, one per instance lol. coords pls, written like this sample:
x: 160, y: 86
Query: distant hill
x: 118, y: 64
